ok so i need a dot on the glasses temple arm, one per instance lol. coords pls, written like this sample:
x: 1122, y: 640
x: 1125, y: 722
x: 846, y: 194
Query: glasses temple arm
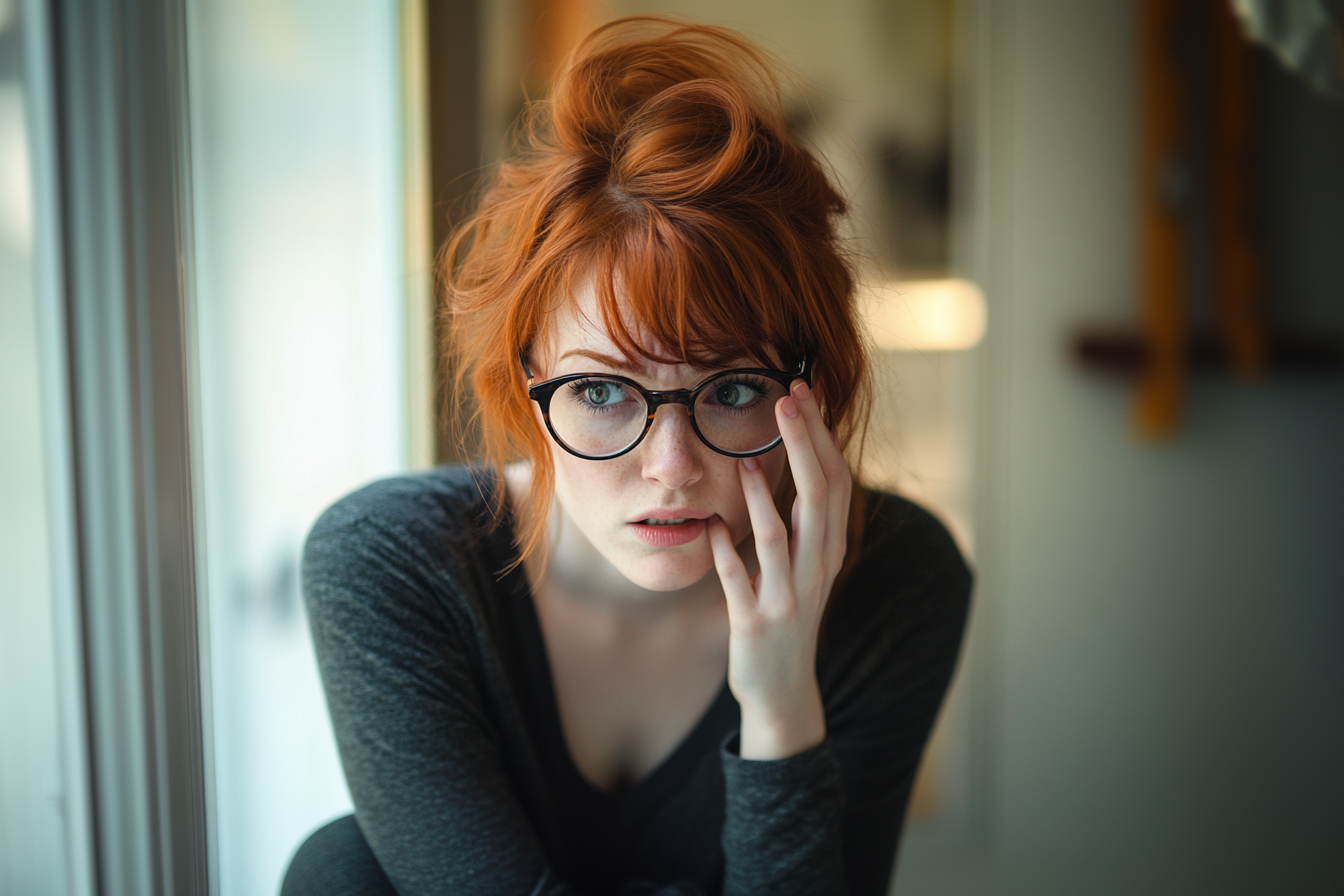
x: 522, y: 359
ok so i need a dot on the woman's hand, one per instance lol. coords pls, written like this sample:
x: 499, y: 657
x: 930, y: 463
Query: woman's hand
x: 774, y: 615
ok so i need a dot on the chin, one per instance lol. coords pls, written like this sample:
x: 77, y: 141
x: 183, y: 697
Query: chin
x: 668, y: 570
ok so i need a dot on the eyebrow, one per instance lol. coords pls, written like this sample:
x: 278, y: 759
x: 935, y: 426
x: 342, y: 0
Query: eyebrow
x: 629, y: 366
x: 624, y: 364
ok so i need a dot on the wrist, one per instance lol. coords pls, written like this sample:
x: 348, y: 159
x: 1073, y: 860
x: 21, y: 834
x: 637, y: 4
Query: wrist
x: 781, y: 732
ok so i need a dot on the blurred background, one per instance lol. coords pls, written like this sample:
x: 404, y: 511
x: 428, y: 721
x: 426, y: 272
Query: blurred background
x: 1067, y: 215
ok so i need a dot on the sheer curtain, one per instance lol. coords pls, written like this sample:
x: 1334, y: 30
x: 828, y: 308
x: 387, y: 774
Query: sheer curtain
x: 297, y: 192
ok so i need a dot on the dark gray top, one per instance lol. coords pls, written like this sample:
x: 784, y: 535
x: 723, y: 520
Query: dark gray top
x: 440, y: 693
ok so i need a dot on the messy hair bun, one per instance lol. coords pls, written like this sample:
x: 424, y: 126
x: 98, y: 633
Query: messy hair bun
x: 661, y: 171
x: 675, y: 111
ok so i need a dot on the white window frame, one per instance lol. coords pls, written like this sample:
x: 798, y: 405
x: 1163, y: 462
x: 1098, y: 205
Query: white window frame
x: 112, y: 190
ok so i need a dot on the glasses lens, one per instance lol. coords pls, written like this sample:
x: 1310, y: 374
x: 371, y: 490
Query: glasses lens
x: 596, y: 416
x: 736, y: 412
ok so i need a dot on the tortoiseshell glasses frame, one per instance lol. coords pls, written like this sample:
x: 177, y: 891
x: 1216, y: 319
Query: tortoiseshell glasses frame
x: 543, y: 392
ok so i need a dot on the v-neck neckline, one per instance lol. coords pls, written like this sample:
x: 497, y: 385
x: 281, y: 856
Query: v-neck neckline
x: 719, y: 716
x: 660, y: 780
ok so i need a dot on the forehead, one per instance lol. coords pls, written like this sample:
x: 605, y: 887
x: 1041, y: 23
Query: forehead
x: 577, y: 325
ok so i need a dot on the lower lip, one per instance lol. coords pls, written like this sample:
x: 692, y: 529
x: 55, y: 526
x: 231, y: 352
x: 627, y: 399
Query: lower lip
x: 669, y: 536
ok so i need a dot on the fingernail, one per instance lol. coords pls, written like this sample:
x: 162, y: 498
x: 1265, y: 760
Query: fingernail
x: 749, y: 463
x: 801, y: 391
x: 789, y: 405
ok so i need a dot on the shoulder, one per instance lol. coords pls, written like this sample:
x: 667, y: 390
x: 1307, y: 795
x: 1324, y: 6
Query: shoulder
x: 408, y: 533
x: 438, y: 507
x: 444, y: 496
x: 906, y: 546
x: 904, y: 601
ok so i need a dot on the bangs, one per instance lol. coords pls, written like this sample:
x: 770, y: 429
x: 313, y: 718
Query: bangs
x: 709, y: 298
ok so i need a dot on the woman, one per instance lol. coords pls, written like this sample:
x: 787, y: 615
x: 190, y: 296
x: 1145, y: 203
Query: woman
x: 605, y: 661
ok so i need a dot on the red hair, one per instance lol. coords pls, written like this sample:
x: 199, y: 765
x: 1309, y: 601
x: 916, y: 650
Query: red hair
x: 662, y: 164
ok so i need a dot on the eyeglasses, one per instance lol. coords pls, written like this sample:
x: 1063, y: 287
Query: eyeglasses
x: 599, y: 416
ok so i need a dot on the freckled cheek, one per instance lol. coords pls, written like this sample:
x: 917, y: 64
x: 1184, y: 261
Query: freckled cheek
x: 574, y: 483
x: 590, y: 491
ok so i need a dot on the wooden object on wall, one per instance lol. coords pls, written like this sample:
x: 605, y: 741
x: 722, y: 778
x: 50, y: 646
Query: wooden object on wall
x: 1124, y: 352
x: 1196, y: 185
x: 1163, y: 184
x: 1236, y: 257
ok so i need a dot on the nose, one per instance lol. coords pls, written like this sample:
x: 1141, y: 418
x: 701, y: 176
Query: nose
x: 671, y: 452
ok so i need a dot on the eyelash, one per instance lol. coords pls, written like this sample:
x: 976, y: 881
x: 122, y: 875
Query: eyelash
x: 754, y: 383
x: 578, y: 387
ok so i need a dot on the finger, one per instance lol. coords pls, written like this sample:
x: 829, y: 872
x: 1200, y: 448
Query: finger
x: 834, y: 467
x: 738, y: 587
x: 837, y: 534
x: 824, y: 442
x: 771, y: 537
x: 811, y: 511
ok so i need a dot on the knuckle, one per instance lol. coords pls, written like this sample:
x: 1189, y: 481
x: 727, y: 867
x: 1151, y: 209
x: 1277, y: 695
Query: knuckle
x: 731, y: 573
x: 772, y: 535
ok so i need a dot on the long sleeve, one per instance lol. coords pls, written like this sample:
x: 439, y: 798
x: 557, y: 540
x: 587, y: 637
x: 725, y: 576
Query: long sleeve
x: 781, y: 832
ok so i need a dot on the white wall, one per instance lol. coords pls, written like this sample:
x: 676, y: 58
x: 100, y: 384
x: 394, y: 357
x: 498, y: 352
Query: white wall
x: 1162, y: 683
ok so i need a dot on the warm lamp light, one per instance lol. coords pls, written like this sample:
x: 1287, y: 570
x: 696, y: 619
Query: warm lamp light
x: 925, y: 315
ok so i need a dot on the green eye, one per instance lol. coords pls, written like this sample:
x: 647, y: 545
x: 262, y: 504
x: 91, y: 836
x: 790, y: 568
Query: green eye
x: 603, y: 393
x: 734, y: 395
